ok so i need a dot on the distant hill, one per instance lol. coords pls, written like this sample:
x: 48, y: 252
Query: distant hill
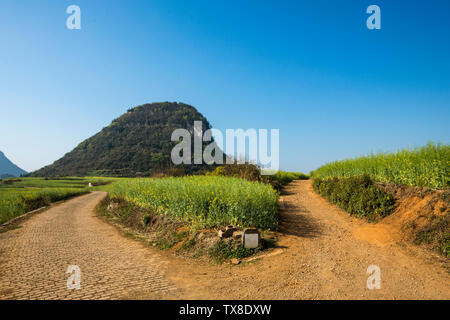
x: 9, y: 169
x: 136, y: 144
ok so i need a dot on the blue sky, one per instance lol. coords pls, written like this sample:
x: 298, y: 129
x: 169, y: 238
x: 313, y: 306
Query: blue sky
x: 309, y: 68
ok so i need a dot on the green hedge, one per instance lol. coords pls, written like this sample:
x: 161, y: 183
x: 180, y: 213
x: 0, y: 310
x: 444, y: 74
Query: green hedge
x: 359, y: 196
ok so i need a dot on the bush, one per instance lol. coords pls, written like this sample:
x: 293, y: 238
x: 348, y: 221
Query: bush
x: 359, y: 196
x: 245, y: 171
x: 251, y: 172
x: 282, y: 178
x: 169, y: 240
x: 437, y: 234
x: 145, y: 219
x: 222, y: 251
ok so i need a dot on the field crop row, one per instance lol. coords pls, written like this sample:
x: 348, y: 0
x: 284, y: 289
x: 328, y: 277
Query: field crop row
x: 14, y: 202
x: 204, y: 201
x: 428, y: 166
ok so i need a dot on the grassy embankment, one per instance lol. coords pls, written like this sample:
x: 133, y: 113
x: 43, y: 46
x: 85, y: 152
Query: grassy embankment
x: 196, y: 206
x: 354, y: 185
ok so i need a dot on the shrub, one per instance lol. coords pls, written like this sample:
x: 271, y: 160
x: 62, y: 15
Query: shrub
x: 437, y: 234
x: 282, y: 178
x: 245, y: 171
x: 145, y: 219
x: 359, y: 196
x: 169, y: 240
x: 251, y: 172
x: 222, y: 251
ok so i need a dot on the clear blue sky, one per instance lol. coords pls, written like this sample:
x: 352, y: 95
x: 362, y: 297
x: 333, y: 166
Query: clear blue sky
x: 309, y: 68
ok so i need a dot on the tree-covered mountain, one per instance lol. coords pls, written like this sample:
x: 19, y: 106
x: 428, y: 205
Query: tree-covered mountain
x: 9, y: 169
x: 136, y: 144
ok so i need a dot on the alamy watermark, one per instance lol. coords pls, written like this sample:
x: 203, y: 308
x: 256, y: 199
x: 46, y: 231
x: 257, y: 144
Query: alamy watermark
x: 374, y: 280
x: 256, y: 151
x: 74, y: 280
x: 74, y: 20
x: 374, y: 20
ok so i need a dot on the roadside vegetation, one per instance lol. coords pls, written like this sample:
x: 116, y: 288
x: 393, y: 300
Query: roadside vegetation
x: 222, y: 251
x: 14, y: 203
x: 412, y: 183
x: 436, y: 233
x: 252, y: 173
x: 21, y: 195
x: 428, y: 166
x: 359, y: 196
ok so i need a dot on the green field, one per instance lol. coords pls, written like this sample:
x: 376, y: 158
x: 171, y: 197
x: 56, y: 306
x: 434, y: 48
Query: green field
x: 204, y: 201
x: 20, y: 195
x: 284, y: 177
x: 428, y: 166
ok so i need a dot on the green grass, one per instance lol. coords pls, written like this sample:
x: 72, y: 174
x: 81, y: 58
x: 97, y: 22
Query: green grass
x: 204, y: 201
x: 428, y: 166
x: 16, y: 202
x: 171, y: 239
x: 67, y: 182
x: 222, y: 251
x: 20, y: 195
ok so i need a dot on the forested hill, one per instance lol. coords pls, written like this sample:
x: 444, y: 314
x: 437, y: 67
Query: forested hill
x: 136, y: 144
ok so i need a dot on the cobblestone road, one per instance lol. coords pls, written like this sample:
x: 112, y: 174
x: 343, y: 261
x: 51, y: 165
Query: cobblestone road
x: 34, y: 258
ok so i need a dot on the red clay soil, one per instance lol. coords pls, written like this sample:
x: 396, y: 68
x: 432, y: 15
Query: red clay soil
x: 323, y: 254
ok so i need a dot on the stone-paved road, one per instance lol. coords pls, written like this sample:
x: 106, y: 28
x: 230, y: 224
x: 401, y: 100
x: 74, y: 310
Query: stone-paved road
x: 34, y: 258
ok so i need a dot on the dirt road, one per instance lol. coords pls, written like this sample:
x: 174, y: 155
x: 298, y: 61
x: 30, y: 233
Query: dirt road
x: 34, y: 258
x: 322, y: 254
